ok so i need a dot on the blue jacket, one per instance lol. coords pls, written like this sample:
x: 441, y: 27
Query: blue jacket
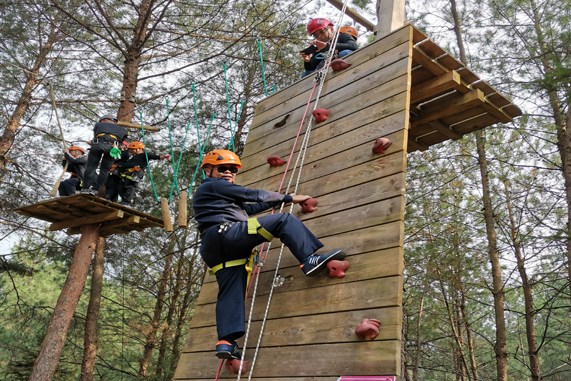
x: 217, y: 200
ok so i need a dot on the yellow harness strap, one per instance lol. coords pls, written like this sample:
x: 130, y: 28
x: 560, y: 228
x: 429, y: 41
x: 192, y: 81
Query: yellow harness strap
x: 236, y: 262
x: 113, y: 136
x: 254, y: 227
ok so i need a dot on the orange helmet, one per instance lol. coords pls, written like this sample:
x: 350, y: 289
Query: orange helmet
x: 349, y: 30
x: 219, y: 157
x: 76, y: 148
x: 136, y: 145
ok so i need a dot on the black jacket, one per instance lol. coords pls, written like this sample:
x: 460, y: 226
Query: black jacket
x: 344, y: 42
x: 138, y: 160
x: 110, y: 129
x: 76, y: 166
x: 217, y: 200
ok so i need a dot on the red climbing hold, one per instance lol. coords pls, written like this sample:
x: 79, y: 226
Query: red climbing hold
x: 337, y: 268
x: 339, y: 64
x: 233, y: 366
x: 381, y: 144
x: 320, y: 114
x: 275, y: 161
x: 369, y: 328
x: 309, y: 205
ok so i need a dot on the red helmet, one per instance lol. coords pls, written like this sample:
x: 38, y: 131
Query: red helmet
x: 219, y: 157
x: 136, y: 145
x: 76, y: 148
x: 316, y: 24
x: 349, y: 30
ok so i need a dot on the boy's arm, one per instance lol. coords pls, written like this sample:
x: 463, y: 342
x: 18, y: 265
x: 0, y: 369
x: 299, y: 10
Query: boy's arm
x: 346, y: 42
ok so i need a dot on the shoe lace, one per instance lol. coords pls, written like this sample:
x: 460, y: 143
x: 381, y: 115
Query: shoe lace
x: 313, y: 260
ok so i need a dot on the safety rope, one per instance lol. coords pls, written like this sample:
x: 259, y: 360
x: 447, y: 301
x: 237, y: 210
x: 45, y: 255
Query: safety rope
x: 236, y: 125
x: 147, y: 157
x: 174, y: 168
x: 320, y: 79
x: 262, y: 65
x: 201, y: 151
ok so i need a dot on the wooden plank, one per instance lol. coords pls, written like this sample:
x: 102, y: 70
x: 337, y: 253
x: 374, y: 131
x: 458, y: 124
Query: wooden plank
x: 461, y: 103
x: 375, y: 357
x: 362, y: 241
x: 416, y: 145
x: 417, y: 35
x: 475, y: 124
x: 336, y: 297
x: 87, y: 220
x: 360, y: 56
x: 338, y: 91
x: 512, y: 110
x: 450, y: 62
x: 364, y: 266
x: 346, y: 165
x: 320, y: 329
x: 362, y: 139
x: 420, y: 74
x: 467, y: 75
x: 428, y: 62
x: 341, y: 121
x: 431, y: 49
x: 445, y: 130
x: 437, y: 86
x: 497, y: 113
x: 131, y: 220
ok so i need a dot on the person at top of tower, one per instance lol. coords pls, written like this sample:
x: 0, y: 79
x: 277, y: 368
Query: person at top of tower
x: 322, y: 30
x: 222, y: 210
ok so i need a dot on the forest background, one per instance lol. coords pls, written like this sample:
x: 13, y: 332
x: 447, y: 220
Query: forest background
x: 487, y: 278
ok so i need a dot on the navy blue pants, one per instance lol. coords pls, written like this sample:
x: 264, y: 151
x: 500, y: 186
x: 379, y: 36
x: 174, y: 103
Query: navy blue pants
x: 69, y: 186
x: 99, y: 152
x: 236, y: 243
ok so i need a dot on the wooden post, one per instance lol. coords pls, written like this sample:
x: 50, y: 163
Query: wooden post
x: 182, y: 208
x: 135, y: 125
x: 56, y: 333
x: 353, y: 14
x: 390, y: 15
x: 166, y: 214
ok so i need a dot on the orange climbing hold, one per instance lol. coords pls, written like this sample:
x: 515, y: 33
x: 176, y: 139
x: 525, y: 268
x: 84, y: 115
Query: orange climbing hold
x: 339, y: 64
x: 381, y: 144
x: 275, y: 161
x: 337, y: 269
x: 320, y: 115
x: 233, y: 366
x: 368, y: 329
x: 309, y: 205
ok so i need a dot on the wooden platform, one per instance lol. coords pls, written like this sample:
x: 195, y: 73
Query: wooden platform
x: 72, y: 212
x: 309, y: 333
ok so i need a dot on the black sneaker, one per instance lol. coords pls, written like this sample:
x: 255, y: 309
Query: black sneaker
x: 314, y: 263
x: 90, y: 191
x: 227, y: 350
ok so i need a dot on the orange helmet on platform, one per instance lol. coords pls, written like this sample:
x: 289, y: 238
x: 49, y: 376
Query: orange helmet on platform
x: 220, y: 157
x: 77, y: 149
x: 136, y: 145
x: 349, y: 30
x: 316, y: 24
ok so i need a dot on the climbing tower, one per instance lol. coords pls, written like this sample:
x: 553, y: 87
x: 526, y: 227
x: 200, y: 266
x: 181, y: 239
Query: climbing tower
x: 402, y: 87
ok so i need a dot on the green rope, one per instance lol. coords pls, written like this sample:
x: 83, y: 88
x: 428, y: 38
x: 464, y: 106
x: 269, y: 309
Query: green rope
x: 201, y: 149
x: 228, y: 102
x: 275, y: 87
x: 183, y: 142
x: 262, y: 64
x: 236, y: 125
x: 172, y: 150
x: 147, y: 157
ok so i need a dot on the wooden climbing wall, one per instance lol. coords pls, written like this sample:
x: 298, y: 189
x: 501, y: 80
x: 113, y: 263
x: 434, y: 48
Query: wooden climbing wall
x: 309, y: 334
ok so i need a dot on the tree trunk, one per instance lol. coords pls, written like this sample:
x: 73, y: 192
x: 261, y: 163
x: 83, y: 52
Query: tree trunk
x: 497, y: 285
x: 56, y: 333
x: 155, y: 322
x: 9, y: 134
x: 90, y: 339
x: 527, y: 295
x: 418, y: 325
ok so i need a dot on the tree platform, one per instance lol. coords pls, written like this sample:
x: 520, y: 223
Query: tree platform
x: 72, y: 212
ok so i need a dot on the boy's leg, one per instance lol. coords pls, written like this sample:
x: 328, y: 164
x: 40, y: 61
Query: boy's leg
x: 230, y: 309
x: 92, y: 163
x: 111, y: 187
x: 129, y: 187
x: 343, y: 53
x: 105, y: 166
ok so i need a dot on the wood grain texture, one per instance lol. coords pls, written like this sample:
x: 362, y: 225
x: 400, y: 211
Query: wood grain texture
x: 375, y: 358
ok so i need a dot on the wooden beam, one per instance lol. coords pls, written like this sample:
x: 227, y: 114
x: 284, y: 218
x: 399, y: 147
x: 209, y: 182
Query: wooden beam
x: 437, y: 86
x: 135, y: 125
x: 445, y: 130
x: 473, y: 98
x: 391, y: 14
x: 94, y: 219
x: 428, y: 62
x: 353, y: 14
x: 416, y: 146
x: 131, y: 220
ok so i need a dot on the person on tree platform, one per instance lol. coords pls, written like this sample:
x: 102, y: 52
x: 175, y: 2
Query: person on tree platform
x: 107, y: 137
x: 127, y: 174
x: 322, y: 30
x: 221, y: 210
x: 77, y: 160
